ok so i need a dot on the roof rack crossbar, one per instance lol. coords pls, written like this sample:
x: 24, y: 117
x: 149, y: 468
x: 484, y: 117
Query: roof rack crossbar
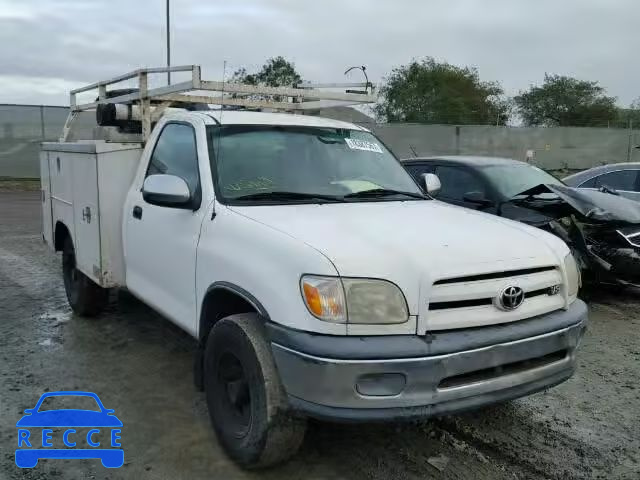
x: 135, y: 74
x: 237, y: 102
x: 306, y: 91
x: 305, y: 96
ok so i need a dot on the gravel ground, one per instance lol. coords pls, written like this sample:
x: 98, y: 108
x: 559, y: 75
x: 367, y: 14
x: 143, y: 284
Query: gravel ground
x: 140, y: 365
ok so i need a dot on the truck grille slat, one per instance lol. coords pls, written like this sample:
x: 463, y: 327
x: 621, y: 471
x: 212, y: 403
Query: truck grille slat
x: 481, y: 301
x: 490, y: 276
x: 460, y: 304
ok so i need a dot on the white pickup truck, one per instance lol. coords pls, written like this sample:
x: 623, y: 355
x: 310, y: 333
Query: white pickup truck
x: 316, y: 277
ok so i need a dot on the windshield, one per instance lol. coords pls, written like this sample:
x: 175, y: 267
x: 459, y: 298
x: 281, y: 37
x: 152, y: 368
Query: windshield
x: 511, y: 180
x: 258, y: 161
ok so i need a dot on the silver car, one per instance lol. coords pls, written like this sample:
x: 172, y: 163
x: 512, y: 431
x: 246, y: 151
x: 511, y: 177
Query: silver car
x: 624, y: 178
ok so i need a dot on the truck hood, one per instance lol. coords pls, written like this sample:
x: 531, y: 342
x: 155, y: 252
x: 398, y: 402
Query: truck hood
x: 411, y: 242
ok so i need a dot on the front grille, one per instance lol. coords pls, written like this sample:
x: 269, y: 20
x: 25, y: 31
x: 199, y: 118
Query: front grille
x: 479, y: 302
x: 490, y: 276
x: 501, y: 370
x: 471, y: 301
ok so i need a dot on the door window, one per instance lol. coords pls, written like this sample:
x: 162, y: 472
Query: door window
x: 624, y: 180
x: 457, y: 182
x: 176, y: 154
x: 591, y: 183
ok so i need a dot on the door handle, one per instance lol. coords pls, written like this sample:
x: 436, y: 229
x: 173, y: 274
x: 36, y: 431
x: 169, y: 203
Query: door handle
x: 137, y: 212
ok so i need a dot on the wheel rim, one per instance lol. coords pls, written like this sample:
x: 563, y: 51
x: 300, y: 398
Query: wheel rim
x: 235, y: 394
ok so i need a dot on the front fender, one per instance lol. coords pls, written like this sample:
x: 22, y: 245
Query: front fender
x: 265, y: 263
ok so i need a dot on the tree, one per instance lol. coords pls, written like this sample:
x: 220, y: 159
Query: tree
x: 628, y: 117
x: 565, y: 101
x: 427, y: 91
x: 276, y: 72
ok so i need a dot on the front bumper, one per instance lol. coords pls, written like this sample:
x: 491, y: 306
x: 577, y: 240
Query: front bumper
x: 385, y: 378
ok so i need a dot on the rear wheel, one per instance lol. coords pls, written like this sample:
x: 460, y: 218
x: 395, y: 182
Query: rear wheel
x: 247, y: 403
x: 85, y: 297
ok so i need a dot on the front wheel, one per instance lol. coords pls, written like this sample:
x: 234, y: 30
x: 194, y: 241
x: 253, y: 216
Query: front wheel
x: 85, y: 297
x: 247, y: 403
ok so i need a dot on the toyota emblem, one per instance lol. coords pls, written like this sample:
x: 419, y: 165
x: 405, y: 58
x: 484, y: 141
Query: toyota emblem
x: 511, y: 298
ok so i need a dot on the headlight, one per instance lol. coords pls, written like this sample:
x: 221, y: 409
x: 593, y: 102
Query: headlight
x: 324, y: 297
x: 354, y: 300
x: 573, y: 275
x: 374, y: 302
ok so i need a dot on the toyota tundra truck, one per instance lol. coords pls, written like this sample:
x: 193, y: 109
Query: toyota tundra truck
x: 287, y: 245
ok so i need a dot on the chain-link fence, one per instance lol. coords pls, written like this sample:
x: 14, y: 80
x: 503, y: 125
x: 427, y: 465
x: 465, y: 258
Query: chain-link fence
x: 22, y: 128
x: 552, y: 148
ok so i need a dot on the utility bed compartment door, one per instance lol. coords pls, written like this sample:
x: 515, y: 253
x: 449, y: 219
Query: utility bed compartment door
x: 89, y: 182
x: 45, y: 197
x: 86, y: 215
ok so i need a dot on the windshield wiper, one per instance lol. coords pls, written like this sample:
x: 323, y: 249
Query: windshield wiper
x: 288, y: 196
x: 384, y: 192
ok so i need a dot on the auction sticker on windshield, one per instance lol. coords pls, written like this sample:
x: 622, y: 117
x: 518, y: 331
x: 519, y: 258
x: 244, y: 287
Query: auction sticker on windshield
x: 355, y: 144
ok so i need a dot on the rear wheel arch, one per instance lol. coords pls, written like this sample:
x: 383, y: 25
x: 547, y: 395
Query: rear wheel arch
x: 61, y: 233
x: 85, y: 297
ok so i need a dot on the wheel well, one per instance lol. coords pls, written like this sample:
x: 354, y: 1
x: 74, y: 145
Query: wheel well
x: 60, y: 235
x: 221, y: 302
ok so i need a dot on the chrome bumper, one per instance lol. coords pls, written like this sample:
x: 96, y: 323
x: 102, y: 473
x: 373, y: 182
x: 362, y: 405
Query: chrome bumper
x: 363, y: 389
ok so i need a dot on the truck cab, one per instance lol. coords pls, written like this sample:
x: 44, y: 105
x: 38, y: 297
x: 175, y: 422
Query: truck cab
x: 287, y: 246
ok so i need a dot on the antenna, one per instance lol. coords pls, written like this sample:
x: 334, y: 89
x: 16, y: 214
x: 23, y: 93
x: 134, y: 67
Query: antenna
x: 366, y: 77
x: 224, y: 82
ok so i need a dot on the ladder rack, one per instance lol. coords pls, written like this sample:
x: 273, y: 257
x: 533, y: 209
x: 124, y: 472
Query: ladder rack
x: 303, y: 97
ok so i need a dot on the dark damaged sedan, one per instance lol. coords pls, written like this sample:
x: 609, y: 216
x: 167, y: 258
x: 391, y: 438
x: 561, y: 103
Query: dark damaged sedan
x: 602, y: 228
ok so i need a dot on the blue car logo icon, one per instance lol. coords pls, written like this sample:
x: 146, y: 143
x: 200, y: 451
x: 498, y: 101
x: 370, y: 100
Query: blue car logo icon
x: 102, y: 428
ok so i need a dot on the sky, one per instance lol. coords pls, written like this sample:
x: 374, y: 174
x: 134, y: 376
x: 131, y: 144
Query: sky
x: 52, y: 46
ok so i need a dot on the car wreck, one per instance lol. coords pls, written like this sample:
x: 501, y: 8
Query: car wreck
x: 601, y: 227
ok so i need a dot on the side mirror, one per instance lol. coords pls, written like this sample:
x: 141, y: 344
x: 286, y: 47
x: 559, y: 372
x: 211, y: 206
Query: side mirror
x: 477, y: 198
x: 432, y: 183
x: 166, y: 191
x: 29, y: 411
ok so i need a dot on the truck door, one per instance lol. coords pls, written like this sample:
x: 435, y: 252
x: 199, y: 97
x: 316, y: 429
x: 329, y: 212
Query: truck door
x: 161, y: 242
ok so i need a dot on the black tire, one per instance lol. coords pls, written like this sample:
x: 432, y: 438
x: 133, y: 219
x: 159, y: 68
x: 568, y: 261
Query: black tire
x: 247, y: 403
x: 85, y: 297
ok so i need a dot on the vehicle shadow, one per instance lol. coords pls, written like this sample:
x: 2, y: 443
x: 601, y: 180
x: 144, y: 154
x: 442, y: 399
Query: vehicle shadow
x: 494, y: 442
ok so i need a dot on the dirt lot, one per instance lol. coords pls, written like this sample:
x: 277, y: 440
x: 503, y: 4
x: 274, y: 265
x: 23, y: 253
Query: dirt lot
x: 140, y: 365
